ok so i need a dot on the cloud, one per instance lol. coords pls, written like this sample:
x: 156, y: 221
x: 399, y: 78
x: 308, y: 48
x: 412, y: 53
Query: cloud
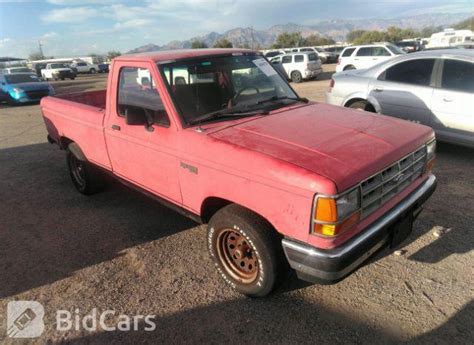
x: 70, y: 14
x: 80, y: 2
x: 133, y: 23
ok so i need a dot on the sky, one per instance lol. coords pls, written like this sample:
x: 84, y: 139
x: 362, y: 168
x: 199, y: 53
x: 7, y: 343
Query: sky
x: 81, y: 27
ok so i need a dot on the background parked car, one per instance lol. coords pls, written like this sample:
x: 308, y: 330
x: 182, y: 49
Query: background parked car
x: 11, y: 70
x: 365, y: 56
x: 103, y: 68
x: 410, y: 46
x: 336, y: 50
x: 18, y: 88
x: 299, y: 66
x: 435, y: 88
x: 85, y: 67
x: 325, y: 55
x: 55, y: 71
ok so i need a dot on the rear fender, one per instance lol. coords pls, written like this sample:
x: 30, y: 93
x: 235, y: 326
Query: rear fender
x: 363, y: 96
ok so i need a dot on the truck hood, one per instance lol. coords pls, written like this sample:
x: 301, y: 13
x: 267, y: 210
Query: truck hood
x: 344, y: 145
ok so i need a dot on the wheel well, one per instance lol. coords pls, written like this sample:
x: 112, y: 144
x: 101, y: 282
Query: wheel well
x: 369, y: 106
x: 348, y: 66
x: 210, y: 206
x: 64, y: 142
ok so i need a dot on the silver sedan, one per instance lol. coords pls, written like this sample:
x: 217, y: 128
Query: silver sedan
x: 434, y: 88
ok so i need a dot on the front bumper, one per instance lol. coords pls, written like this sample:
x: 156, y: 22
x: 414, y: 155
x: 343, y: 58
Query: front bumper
x: 329, y: 266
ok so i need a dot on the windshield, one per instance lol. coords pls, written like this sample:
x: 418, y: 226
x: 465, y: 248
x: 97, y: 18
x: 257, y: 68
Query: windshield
x: 226, y: 84
x: 21, y: 78
x: 57, y: 65
x: 395, y: 50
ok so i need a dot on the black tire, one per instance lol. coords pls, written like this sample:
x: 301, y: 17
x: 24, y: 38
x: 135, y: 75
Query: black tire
x: 349, y: 67
x: 92, y: 71
x: 86, y: 178
x: 246, y: 250
x: 72, y: 78
x: 62, y: 78
x: 296, y: 77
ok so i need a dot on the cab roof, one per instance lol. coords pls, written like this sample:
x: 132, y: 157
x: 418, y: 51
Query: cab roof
x: 170, y: 55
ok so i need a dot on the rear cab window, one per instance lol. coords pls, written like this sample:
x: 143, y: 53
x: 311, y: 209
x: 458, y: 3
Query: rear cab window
x: 137, y: 92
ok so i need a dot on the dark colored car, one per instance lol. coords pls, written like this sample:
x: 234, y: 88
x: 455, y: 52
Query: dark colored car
x: 103, y: 68
x: 410, y: 46
x: 23, y: 88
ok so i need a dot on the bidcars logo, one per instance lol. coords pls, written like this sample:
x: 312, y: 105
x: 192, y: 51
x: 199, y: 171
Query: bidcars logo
x: 25, y: 319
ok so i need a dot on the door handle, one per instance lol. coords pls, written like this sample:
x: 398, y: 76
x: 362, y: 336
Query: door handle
x: 116, y: 127
x: 447, y: 99
x: 377, y: 89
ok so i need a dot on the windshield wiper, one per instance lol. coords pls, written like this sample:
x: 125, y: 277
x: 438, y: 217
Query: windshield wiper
x: 282, y: 98
x: 226, y: 113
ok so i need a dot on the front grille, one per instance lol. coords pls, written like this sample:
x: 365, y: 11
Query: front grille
x: 381, y: 187
x: 36, y: 94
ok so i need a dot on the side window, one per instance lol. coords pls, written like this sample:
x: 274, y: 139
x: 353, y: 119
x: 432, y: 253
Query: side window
x: 137, y: 93
x: 299, y: 58
x: 381, y: 51
x: 366, y: 51
x: 416, y: 72
x: 348, y: 52
x: 458, y: 75
x: 286, y: 59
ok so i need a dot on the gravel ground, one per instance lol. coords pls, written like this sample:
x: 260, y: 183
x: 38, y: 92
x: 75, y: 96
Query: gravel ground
x: 120, y: 251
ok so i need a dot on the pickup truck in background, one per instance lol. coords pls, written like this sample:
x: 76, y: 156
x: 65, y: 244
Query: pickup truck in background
x: 55, y: 71
x: 220, y: 136
x: 84, y: 67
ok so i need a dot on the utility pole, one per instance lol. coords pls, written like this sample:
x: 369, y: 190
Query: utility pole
x: 40, y: 48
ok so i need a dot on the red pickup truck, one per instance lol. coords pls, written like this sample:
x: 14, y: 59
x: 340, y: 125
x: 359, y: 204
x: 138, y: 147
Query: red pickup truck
x: 221, y: 137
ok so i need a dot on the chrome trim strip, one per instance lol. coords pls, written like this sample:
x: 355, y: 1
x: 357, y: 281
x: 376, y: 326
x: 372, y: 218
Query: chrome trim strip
x: 372, y: 230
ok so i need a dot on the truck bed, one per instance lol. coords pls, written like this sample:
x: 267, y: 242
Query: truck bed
x: 94, y: 98
x: 79, y: 118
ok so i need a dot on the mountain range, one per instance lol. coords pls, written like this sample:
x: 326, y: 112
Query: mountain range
x: 337, y: 29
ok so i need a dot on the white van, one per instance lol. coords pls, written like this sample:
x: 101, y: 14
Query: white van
x: 299, y: 66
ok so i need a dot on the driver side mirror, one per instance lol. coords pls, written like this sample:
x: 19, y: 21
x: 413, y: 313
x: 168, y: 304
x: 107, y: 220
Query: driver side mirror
x: 137, y: 117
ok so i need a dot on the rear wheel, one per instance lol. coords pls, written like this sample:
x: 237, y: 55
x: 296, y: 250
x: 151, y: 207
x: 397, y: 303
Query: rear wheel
x: 296, y: 77
x: 92, y: 70
x: 246, y: 250
x: 362, y: 105
x: 85, y: 177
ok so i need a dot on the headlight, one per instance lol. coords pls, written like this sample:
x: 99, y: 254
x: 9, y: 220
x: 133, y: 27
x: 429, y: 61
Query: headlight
x: 333, y: 215
x: 431, y: 149
x: 17, y: 90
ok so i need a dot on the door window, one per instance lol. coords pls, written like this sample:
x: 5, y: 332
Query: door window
x: 348, y: 52
x: 458, y: 75
x: 286, y: 59
x: 416, y: 72
x: 137, y: 92
x: 381, y: 51
x: 366, y: 51
x: 299, y: 58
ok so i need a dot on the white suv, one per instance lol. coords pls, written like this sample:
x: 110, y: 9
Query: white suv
x: 84, y: 67
x: 365, y: 56
x: 299, y: 66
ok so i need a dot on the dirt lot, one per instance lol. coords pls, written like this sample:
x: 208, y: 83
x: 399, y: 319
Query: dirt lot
x: 121, y: 251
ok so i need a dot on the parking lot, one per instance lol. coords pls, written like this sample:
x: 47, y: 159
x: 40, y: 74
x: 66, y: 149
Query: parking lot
x: 120, y: 250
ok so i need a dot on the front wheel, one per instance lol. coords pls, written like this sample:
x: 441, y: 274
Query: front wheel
x: 84, y: 176
x: 245, y: 249
x: 92, y: 71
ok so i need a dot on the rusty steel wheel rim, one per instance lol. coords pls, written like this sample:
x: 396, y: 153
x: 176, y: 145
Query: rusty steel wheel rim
x: 237, y: 256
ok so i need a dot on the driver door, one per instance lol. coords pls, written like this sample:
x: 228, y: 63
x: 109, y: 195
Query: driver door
x: 145, y: 156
